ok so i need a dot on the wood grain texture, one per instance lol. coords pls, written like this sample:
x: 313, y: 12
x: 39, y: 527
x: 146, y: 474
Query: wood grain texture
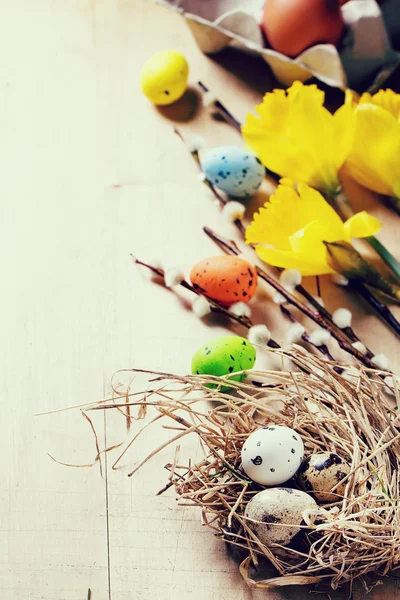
x: 91, y: 172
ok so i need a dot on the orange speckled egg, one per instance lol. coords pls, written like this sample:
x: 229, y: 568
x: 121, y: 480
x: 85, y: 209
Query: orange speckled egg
x: 225, y: 279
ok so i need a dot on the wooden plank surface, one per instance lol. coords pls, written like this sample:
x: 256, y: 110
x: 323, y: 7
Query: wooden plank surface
x: 91, y: 172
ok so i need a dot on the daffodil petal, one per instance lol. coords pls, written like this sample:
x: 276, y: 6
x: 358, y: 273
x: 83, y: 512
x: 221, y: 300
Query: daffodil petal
x: 375, y: 156
x: 362, y: 225
x: 295, y: 136
x: 343, y: 122
x: 289, y: 260
x: 273, y: 111
x: 312, y: 124
x: 386, y: 99
x: 279, y: 153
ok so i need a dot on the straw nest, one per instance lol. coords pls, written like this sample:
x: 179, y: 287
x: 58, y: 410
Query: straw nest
x: 344, y: 412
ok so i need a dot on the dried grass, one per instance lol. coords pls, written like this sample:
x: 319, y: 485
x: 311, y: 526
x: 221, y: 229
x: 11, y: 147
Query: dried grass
x: 356, y: 536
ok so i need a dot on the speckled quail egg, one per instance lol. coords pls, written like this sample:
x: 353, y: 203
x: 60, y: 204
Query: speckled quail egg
x: 322, y: 471
x: 235, y: 170
x: 277, y: 506
x: 225, y: 279
x: 222, y: 356
x: 272, y: 455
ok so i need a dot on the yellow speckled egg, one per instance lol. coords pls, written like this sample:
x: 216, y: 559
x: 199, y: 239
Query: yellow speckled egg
x: 164, y: 77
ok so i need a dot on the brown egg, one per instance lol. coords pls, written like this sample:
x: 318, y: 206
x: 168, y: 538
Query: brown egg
x: 291, y: 26
x: 321, y: 472
x: 225, y: 279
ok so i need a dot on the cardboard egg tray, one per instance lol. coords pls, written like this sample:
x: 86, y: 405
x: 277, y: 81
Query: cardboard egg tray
x: 365, y: 59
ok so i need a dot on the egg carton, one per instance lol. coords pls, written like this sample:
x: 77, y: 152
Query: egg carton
x: 365, y: 60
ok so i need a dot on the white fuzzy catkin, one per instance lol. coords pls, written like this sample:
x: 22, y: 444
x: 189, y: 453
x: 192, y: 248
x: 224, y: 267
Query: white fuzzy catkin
x: 319, y: 337
x: 342, y: 318
x: 173, y: 277
x: 194, y: 143
x: 232, y: 211
x: 201, y: 307
x: 202, y: 176
x: 208, y: 99
x: 156, y: 264
x: 240, y: 309
x: 259, y: 335
x: 295, y: 332
x: 278, y: 298
x: 381, y: 361
x: 340, y: 279
x: 289, y: 278
x: 393, y: 383
x: 360, y: 347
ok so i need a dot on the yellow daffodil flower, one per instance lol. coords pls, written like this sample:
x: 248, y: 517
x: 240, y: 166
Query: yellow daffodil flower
x: 296, y: 136
x: 375, y: 156
x: 290, y: 230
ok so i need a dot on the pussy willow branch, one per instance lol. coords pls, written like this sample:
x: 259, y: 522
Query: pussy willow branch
x: 228, y: 116
x: 244, y: 321
x: 384, y: 312
x: 322, y: 348
x: 299, y: 288
x: 215, y: 306
x: 208, y: 183
x: 336, y: 333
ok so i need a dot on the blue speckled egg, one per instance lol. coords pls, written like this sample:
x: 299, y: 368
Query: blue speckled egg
x: 234, y: 170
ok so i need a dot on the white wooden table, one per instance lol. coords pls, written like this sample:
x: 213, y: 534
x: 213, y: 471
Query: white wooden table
x: 91, y: 172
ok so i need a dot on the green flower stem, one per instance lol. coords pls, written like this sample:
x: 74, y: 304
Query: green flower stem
x: 385, y: 255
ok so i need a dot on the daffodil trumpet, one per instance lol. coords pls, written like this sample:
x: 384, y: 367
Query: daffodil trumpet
x: 295, y: 136
x: 291, y: 229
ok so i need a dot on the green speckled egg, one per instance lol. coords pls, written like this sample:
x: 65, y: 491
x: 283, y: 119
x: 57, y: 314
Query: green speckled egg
x: 224, y: 355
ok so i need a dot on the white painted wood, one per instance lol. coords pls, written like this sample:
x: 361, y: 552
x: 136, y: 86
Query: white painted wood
x: 91, y: 172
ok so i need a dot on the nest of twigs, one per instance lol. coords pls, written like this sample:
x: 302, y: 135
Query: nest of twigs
x: 347, y: 413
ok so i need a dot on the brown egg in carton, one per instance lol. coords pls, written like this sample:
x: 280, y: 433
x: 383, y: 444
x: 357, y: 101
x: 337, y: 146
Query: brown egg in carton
x: 365, y: 57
